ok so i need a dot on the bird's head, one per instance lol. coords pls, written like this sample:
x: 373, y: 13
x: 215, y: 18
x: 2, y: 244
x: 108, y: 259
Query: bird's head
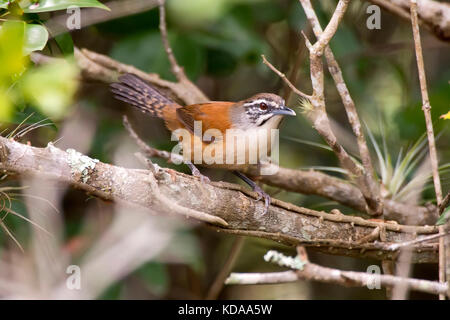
x: 261, y: 110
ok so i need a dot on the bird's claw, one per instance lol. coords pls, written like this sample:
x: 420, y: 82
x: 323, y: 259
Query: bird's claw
x: 196, y: 173
x: 203, y: 179
x: 262, y: 195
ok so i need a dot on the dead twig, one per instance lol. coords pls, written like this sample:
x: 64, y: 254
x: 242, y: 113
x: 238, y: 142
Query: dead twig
x: 374, y: 201
x: 426, y: 107
x: 284, y: 78
x: 318, y: 273
x: 219, y: 281
x: 176, y: 69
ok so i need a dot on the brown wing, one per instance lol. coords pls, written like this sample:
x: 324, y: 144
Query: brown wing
x: 213, y: 115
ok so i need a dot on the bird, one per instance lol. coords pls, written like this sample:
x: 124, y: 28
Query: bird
x: 216, y: 131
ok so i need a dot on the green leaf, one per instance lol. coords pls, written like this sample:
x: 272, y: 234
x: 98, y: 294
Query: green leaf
x: 12, y: 37
x: 65, y: 43
x: 51, y: 87
x: 36, y: 37
x: 155, y: 276
x: 6, y: 107
x: 14, y: 8
x: 53, y: 5
x: 444, y: 217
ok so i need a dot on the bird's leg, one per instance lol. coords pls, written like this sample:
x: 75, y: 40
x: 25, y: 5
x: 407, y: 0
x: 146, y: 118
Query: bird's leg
x: 196, y: 172
x: 256, y: 188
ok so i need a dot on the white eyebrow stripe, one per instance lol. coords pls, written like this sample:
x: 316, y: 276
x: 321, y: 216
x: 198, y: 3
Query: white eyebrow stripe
x: 272, y: 103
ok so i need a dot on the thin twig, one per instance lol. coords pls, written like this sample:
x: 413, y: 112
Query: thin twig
x: 176, y: 69
x: 318, y: 273
x: 317, y: 114
x: 310, y: 271
x: 396, y: 246
x: 426, y: 107
x: 434, y: 15
x: 444, y: 204
x: 149, y: 151
x: 175, y: 207
x: 375, y: 202
x: 219, y: 281
x: 284, y: 78
x: 89, y: 16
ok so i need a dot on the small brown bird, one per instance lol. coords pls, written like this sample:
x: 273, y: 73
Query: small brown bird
x: 204, y: 129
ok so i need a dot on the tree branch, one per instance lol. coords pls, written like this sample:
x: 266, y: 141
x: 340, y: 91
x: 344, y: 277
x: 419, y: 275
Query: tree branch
x: 314, y: 182
x: 99, y: 67
x: 318, y: 273
x: 374, y: 201
x: 434, y: 15
x: 444, y: 257
x: 284, y: 222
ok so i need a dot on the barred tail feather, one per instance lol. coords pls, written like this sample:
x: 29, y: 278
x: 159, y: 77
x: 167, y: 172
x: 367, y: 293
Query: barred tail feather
x: 135, y: 91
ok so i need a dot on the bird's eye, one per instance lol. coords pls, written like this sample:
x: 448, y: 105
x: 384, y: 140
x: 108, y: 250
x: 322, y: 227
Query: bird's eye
x: 263, y: 106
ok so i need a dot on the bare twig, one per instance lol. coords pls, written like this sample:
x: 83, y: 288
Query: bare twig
x: 310, y: 271
x: 149, y: 151
x: 90, y: 16
x: 176, y: 69
x: 100, y: 67
x: 396, y: 246
x: 426, y: 107
x: 318, y: 273
x: 285, y: 79
x: 219, y: 281
x: 326, y: 36
x: 374, y: 201
x: 444, y: 204
x: 317, y: 114
x: 434, y: 15
x: 175, y: 207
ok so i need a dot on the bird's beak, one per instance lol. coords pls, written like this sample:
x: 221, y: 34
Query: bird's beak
x: 285, y: 111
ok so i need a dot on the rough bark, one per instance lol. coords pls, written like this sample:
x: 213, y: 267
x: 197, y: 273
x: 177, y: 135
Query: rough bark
x: 284, y: 222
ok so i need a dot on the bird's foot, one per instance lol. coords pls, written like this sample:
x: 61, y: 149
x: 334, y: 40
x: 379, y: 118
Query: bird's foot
x: 257, y: 189
x: 262, y: 195
x: 196, y: 173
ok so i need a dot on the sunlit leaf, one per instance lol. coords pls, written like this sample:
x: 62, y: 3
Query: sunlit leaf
x: 36, y: 37
x: 13, y: 62
x: 6, y: 107
x: 445, y: 116
x: 53, y: 5
x: 14, y: 8
x: 51, y: 87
